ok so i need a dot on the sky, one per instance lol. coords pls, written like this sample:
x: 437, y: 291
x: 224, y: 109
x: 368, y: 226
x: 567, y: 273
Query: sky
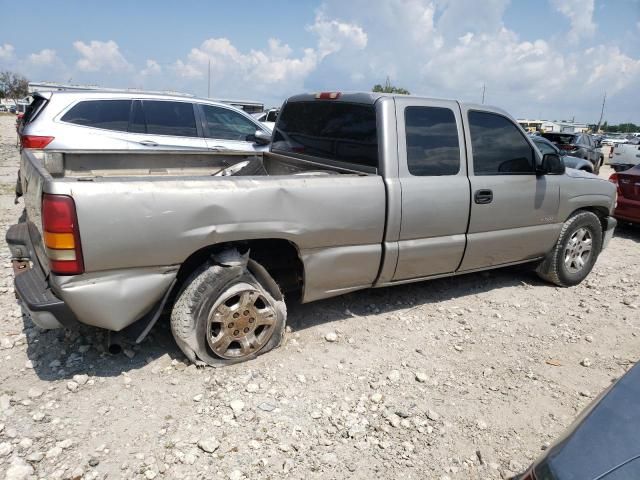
x: 544, y: 59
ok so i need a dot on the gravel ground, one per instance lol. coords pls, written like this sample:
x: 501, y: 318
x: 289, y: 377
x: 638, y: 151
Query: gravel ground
x: 463, y: 378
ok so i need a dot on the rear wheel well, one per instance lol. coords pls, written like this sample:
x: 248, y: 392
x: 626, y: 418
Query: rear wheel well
x: 279, y: 257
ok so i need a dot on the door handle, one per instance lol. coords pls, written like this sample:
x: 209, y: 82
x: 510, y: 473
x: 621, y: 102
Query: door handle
x: 148, y: 143
x: 483, y: 197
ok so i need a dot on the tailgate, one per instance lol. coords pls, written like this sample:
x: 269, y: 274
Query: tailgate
x: 629, y: 186
x: 33, y: 176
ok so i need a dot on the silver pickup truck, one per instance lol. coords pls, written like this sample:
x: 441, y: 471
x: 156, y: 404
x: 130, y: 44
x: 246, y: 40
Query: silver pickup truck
x: 358, y: 190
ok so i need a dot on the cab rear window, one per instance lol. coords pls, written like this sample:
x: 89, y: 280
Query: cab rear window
x: 108, y: 114
x: 340, y: 131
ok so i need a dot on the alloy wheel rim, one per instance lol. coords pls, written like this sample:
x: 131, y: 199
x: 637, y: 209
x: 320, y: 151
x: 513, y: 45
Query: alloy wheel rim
x: 578, y: 250
x: 241, y: 322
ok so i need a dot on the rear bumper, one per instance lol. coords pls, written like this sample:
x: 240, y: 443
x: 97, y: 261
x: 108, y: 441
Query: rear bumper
x: 36, y: 298
x: 627, y: 210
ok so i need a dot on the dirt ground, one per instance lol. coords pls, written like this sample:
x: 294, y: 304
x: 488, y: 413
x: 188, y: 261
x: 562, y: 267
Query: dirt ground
x: 463, y: 378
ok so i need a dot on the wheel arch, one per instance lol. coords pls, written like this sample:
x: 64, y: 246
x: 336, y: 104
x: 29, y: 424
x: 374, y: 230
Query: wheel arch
x: 601, y: 212
x: 279, y: 257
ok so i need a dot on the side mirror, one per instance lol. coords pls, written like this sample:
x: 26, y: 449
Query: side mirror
x: 262, y: 137
x: 552, y: 164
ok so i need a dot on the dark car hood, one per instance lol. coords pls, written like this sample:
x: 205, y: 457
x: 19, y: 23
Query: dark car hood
x: 605, y: 436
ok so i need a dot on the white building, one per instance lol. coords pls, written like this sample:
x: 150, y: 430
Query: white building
x: 564, y: 127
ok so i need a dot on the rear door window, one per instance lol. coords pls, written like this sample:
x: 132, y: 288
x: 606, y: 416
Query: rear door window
x: 107, y: 114
x: 339, y: 131
x: 226, y: 124
x: 432, y: 141
x: 170, y: 118
x: 499, y: 148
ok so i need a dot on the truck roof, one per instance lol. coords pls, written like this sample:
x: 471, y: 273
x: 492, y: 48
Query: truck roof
x: 370, y: 98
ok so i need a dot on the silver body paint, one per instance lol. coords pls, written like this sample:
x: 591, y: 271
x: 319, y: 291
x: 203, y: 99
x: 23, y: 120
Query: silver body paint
x: 142, y: 215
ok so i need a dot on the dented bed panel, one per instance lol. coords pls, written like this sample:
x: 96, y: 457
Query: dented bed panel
x: 114, y: 299
x: 128, y: 224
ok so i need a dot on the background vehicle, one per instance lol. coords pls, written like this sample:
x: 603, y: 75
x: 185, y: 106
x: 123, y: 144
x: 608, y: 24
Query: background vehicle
x: 94, y: 120
x: 628, y: 185
x: 545, y: 146
x: 3, y: 109
x: 358, y: 190
x: 603, y: 442
x: 578, y: 145
x: 268, y: 117
x: 625, y: 156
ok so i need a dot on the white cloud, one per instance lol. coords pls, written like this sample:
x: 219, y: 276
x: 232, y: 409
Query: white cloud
x: 43, y: 57
x: 334, y: 35
x: 6, y: 51
x: 580, y: 15
x: 100, y: 56
x: 276, y: 69
x: 152, y: 68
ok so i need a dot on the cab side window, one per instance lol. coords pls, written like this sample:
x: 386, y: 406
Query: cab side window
x: 170, y: 118
x: 432, y: 141
x: 498, y: 146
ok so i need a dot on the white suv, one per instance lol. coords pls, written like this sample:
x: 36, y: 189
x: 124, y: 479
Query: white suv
x: 123, y: 121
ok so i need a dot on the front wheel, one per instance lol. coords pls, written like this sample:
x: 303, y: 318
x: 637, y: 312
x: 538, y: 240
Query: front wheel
x: 228, y: 314
x: 575, y: 252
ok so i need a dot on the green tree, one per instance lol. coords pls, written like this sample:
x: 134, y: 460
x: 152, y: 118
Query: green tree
x: 388, y: 88
x: 13, y: 85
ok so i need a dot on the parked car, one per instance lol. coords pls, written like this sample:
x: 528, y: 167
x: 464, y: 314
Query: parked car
x: 603, y: 443
x: 579, y: 145
x: 545, y: 146
x: 3, y: 109
x: 358, y: 190
x: 268, y: 117
x: 628, y: 186
x: 625, y: 155
x: 613, y: 139
x: 12, y: 109
x: 136, y: 121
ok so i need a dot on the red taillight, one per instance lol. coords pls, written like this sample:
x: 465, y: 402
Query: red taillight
x: 61, y: 235
x: 614, y: 179
x: 328, y: 95
x: 35, y: 141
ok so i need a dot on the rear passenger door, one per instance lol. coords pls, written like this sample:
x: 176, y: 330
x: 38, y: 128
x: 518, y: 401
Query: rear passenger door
x: 165, y: 125
x: 435, y: 188
x: 513, y: 211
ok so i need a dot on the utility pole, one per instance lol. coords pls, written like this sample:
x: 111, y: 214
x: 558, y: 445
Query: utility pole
x: 483, y: 90
x: 601, y: 112
x: 209, y: 81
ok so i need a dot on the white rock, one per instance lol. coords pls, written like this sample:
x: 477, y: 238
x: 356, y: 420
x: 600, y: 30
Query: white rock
x: 30, y: 364
x: 434, y: 416
x: 5, y: 449
x: 18, y: 470
x: 5, y: 402
x: 64, y: 444
x: 198, y: 398
x: 376, y: 397
x: 81, y: 379
x: 252, y: 387
x: 393, y: 376
x: 301, y: 378
x: 34, y: 392
x: 72, y: 386
x: 209, y: 445
x: 331, y: 337
x: 150, y: 474
x: 35, y: 457
x: 236, y: 475
x: 585, y: 362
x: 316, y: 414
x: 25, y: 443
x: 236, y: 405
x: 53, y: 452
x: 421, y: 377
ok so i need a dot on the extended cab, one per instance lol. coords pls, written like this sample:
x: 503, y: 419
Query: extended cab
x: 358, y: 190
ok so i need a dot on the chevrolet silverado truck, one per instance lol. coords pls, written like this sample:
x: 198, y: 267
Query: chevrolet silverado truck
x: 357, y: 190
